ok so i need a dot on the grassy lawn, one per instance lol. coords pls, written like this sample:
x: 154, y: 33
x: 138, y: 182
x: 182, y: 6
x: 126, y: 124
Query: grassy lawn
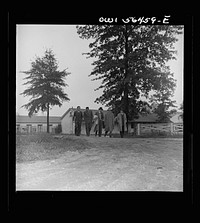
x: 46, y: 146
x: 98, y: 163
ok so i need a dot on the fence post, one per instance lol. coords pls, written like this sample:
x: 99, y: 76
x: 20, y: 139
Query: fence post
x: 138, y: 129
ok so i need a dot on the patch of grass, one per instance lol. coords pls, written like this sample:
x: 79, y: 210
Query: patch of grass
x: 45, y: 146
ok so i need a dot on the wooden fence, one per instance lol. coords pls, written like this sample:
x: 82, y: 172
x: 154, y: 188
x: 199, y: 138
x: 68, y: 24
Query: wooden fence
x: 159, y: 128
x: 178, y: 128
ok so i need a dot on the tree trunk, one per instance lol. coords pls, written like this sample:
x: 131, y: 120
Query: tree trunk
x: 48, y: 118
x: 125, y: 102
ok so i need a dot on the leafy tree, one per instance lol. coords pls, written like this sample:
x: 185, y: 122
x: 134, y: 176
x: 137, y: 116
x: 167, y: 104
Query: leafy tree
x: 45, y: 85
x: 162, y: 97
x: 131, y: 62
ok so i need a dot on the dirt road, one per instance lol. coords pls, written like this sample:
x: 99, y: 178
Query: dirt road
x: 111, y: 164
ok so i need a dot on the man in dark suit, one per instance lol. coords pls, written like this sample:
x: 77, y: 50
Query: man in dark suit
x: 78, y: 116
x: 88, y: 117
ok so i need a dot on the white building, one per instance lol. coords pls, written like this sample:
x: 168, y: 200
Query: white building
x: 176, y: 118
x: 25, y: 124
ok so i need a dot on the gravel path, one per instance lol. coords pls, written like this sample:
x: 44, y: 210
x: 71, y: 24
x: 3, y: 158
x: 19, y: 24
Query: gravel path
x: 112, y: 164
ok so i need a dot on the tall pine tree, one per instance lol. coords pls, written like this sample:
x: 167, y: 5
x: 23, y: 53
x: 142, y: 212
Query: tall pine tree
x: 131, y: 62
x: 45, y: 85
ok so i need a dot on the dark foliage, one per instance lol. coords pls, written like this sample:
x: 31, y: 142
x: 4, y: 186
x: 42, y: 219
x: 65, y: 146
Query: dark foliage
x: 131, y: 62
x: 45, y: 85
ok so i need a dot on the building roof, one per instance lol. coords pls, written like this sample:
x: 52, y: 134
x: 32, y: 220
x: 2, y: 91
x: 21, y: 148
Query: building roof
x: 37, y: 119
x: 143, y: 118
x: 147, y: 118
x: 152, y: 117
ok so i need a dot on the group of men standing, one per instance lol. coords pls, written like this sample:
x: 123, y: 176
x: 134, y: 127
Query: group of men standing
x: 100, y: 121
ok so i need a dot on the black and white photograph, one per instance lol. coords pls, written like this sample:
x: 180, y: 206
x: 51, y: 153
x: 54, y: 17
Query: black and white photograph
x: 99, y: 107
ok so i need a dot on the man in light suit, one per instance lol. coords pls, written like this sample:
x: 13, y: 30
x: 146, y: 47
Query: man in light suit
x: 109, y: 122
x: 122, y: 120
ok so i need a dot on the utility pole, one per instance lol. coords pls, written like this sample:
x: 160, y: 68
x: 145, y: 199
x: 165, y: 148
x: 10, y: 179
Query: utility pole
x: 47, y: 117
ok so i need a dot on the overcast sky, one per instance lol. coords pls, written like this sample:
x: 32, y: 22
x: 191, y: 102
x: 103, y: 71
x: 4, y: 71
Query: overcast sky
x: 33, y: 40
